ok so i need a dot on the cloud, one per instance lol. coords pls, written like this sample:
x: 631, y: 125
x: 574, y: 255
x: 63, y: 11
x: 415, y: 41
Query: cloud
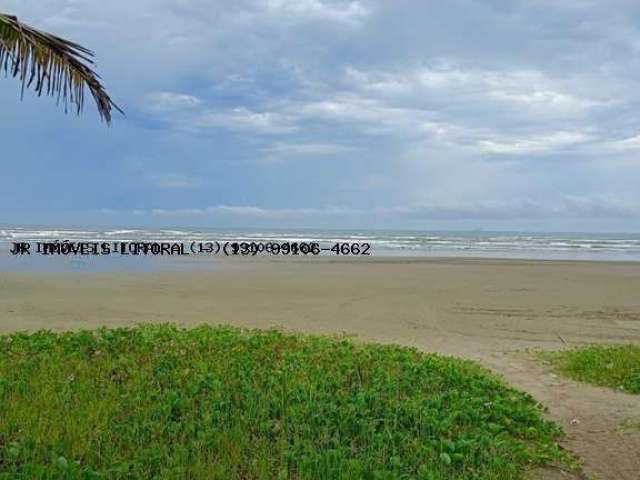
x: 624, y: 146
x: 187, y: 113
x: 350, y: 12
x: 372, y: 117
x: 244, y: 119
x: 460, y: 110
x: 170, y: 101
x: 447, y: 82
x: 280, y: 150
x: 564, y: 207
x: 554, y: 142
x: 254, y: 212
x: 438, y: 103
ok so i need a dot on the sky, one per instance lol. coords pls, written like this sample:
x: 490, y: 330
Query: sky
x: 431, y: 115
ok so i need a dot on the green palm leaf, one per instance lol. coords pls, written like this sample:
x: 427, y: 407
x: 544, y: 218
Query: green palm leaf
x: 51, y: 65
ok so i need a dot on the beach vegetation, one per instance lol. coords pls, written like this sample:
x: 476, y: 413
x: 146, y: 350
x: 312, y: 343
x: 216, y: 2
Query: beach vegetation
x: 162, y: 402
x: 614, y: 366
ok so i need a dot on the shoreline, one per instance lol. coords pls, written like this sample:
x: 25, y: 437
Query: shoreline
x: 110, y: 246
x: 48, y: 265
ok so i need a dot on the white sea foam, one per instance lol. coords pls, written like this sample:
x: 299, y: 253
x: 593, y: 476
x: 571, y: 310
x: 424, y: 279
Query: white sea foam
x: 520, y: 245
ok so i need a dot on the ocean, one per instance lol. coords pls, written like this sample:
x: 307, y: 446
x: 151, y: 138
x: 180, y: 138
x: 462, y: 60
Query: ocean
x: 484, y: 244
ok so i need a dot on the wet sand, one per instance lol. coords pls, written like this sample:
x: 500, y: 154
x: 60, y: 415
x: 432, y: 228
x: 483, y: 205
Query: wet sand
x: 488, y: 310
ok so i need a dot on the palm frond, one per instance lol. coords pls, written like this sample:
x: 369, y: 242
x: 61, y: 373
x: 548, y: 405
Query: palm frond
x: 51, y: 65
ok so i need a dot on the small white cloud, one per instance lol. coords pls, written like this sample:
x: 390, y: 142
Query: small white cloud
x: 253, y: 212
x: 170, y: 101
x: 242, y: 118
x: 560, y: 103
x: 625, y: 145
x: 533, y: 144
x: 371, y: 115
x: 350, y: 12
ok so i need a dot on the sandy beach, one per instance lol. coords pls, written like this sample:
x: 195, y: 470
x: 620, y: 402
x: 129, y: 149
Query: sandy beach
x: 457, y: 306
x: 487, y: 310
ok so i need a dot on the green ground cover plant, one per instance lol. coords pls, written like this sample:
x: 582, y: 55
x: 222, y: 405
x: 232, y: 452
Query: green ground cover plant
x: 615, y: 366
x: 162, y: 402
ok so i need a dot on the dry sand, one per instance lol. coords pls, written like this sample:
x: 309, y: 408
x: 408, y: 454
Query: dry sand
x: 487, y: 310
